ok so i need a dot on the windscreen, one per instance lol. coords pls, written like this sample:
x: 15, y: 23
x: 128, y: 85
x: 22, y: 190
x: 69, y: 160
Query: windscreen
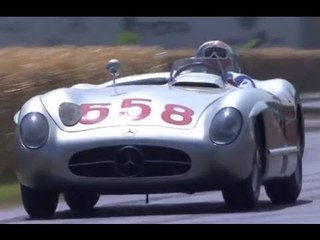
x: 204, y: 65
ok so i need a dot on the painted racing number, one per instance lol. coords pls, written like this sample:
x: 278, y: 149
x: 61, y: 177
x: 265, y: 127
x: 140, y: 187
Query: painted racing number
x: 136, y: 102
x: 182, y: 114
x: 93, y: 113
x: 87, y: 109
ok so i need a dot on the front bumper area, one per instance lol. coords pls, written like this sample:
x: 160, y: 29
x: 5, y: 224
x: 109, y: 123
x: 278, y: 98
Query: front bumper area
x: 211, y: 167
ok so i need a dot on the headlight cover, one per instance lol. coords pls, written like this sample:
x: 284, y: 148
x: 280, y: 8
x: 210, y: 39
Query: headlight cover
x: 34, y: 130
x: 225, y: 126
x: 70, y: 113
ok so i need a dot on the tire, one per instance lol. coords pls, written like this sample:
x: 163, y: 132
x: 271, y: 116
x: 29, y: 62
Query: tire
x: 81, y: 202
x: 287, y: 190
x: 39, y: 203
x: 244, y: 195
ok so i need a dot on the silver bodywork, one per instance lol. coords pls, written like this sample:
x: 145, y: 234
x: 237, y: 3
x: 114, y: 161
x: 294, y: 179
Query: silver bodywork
x: 167, y: 157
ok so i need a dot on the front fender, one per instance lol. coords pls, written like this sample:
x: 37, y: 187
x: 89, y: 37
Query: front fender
x: 16, y: 117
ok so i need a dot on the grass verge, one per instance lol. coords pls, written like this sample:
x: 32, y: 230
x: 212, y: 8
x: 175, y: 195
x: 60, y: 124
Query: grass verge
x: 9, y: 195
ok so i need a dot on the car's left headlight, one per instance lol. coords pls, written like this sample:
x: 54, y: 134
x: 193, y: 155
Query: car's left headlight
x: 34, y: 130
x: 225, y: 126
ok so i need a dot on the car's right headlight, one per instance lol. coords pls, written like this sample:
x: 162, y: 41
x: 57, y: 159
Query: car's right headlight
x: 34, y: 130
x: 225, y: 126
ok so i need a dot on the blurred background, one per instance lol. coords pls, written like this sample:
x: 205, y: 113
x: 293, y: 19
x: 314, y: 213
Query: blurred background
x: 167, y: 32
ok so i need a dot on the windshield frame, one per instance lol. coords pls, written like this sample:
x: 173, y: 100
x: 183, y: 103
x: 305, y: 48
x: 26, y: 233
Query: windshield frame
x: 184, y: 64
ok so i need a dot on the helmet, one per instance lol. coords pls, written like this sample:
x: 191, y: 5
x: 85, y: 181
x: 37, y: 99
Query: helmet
x: 220, y: 50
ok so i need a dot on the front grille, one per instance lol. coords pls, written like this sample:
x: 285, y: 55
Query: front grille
x: 156, y: 161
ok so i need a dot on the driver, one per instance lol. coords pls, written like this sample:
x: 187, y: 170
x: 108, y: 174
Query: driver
x: 223, y: 52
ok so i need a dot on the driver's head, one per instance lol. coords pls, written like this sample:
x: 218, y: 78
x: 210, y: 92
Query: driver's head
x: 220, y: 50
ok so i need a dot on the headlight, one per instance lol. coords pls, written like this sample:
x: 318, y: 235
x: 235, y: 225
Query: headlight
x: 70, y: 113
x: 225, y: 126
x: 34, y: 130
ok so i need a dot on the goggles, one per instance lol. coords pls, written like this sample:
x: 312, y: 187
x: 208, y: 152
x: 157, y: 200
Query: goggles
x: 216, y: 52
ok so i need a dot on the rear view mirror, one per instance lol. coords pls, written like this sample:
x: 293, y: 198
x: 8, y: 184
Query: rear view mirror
x: 113, y: 67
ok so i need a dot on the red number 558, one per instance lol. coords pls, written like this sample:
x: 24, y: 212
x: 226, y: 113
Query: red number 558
x: 172, y: 113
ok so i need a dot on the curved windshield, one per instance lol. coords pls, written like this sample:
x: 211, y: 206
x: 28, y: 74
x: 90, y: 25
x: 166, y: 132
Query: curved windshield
x: 196, y: 64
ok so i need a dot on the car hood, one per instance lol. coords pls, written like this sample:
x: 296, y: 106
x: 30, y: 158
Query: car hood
x: 163, y: 106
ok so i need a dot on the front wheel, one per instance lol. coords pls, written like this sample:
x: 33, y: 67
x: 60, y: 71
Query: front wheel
x: 287, y: 190
x: 244, y: 195
x: 81, y: 202
x: 39, y: 203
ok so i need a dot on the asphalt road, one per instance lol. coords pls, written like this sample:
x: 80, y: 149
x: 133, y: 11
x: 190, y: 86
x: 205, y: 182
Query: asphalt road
x: 206, y: 207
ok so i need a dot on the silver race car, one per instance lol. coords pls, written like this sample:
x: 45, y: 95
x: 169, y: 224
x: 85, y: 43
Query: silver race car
x: 186, y: 130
